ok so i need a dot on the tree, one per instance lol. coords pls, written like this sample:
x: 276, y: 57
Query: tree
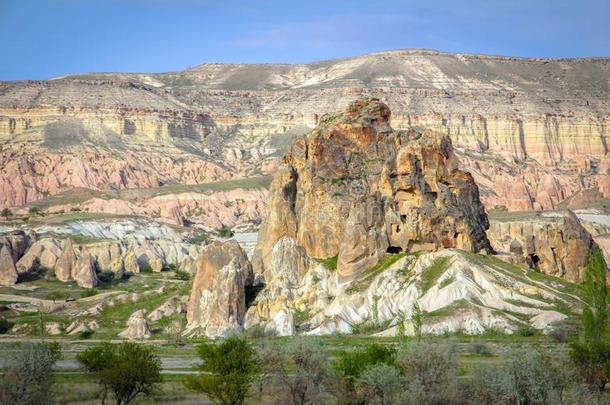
x: 381, y: 384
x: 430, y: 369
x: 417, y: 319
x: 34, y: 210
x: 595, y: 313
x: 592, y: 362
x: 27, y: 375
x: 228, y: 371
x: 127, y: 370
x: 349, y: 366
x: 301, y: 368
x: 6, y: 213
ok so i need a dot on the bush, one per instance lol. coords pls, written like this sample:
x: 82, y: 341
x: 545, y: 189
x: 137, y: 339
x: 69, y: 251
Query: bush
x: 526, y: 331
x: 300, y: 367
x: 592, y: 362
x: 228, y: 371
x: 34, y: 210
x: 348, y: 367
x: 561, y: 332
x: 106, y: 277
x: 527, y: 377
x: 6, y: 213
x: 27, y: 377
x: 85, y: 334
x: 225, y: 232
x: 182, y: 275
x: 481, y: 349
x: 5, y: 326
x: 431, y: 370
x: 127, y: 370
x: 89, y: 293
x: 58, y: 295
x: 381, y: 384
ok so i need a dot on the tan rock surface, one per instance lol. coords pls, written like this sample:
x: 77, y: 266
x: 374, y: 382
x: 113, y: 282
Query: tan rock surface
x: 557, y: 244
x: 83, y: 271
x: 8, y: 271
x: 217, y: 303
x: 66, y: 262
x: 396, y: 191
x: 137, y: 327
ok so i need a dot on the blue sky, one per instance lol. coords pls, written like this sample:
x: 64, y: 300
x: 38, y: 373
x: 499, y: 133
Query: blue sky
x: 48, y: 38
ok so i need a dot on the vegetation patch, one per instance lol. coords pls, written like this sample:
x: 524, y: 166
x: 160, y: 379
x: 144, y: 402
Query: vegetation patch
x: 367, y: 277
x: 432, y: 273
x: 330, y: 263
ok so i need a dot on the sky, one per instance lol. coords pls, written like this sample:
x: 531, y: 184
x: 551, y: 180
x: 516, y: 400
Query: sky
x: 42, y: 39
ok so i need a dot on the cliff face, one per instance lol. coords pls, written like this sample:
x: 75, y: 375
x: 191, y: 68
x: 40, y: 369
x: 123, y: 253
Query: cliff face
x: 355, y: 188
x: 533, y: 132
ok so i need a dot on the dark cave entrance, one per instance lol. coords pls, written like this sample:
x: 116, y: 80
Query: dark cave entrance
x: 394, y: 250
x: 535, y: 260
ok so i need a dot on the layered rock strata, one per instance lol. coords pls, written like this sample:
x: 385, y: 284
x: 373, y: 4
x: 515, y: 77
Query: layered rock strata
x: 535, y: 121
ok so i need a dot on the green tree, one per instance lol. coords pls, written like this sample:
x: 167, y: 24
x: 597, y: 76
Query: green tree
x: 595, y: 313
x: 6, y: 213
x: 228, y: 371
x: 349, y: 366
x: 126, y: 370
x: 417, y: 320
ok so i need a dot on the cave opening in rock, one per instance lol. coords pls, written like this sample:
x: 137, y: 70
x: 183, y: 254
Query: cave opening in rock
x: 394, y: 250
x: 535, y: 259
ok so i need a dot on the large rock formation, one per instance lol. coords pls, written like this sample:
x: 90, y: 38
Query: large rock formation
x: 217, y: 304
x: 555, y: 243
x: 355, y: 188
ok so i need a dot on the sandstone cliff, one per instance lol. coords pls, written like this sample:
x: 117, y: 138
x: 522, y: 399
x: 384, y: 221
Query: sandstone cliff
x: 355, y: 188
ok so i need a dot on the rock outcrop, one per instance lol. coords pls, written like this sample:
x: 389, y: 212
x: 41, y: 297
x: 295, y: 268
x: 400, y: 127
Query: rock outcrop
x: 555, y: 243
x: 8, y: 271
x: 217, y: 304
x: 355, y: 188
x: 66, y: 263
x: 137, y: 327
x: 84, y: 272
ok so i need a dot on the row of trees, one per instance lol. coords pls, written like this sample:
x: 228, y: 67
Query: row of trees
x: 420, y: 372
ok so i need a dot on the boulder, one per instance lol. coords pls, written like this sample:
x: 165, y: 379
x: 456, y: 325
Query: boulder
x: 355, y: 188
x: 137, y: 327
x: 217, y: 303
